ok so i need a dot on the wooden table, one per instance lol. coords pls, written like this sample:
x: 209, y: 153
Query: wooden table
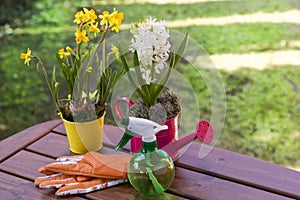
x: 220, y: 175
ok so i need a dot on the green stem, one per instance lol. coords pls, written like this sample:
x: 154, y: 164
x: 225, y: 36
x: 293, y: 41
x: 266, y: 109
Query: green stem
x: 48, y: 82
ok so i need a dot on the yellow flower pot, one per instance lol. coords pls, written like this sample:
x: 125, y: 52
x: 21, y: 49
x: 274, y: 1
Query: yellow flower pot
x: 84, y: 136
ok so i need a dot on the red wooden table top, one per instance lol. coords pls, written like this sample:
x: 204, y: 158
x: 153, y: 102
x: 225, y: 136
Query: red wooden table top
x: 219, y: 175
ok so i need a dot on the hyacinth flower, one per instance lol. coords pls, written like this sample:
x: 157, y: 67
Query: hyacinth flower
x: 153, y: 59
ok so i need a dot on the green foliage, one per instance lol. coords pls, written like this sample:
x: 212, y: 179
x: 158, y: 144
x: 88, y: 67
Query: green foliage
x: 12, y: 11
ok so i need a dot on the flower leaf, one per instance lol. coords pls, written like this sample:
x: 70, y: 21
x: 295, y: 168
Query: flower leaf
x: 181, y: 49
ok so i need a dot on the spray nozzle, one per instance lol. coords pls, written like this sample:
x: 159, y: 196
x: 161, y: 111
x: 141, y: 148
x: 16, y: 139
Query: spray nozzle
x: 139, y: 126
x: 125, y: 139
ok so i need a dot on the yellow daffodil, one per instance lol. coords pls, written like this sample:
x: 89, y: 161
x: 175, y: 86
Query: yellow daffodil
x: 105, y: 18
x: 62, y: 53
x: 26, y: 57
x: 117, y: 17
x: 115, y: 27
x: 113, y: 20
x: 81, y: 36
x: 90, y: 14
x: 85, y: 16
x: 94, y: 29
x: 116, y: 20
x: 115, y: 50
x: 79, y: 17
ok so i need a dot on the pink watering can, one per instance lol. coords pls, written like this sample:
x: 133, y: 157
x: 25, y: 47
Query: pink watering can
x: 204, y: 132
x: 168, y: 139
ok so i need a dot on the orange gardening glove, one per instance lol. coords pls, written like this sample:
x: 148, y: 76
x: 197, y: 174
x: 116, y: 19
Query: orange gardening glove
x: 91, y: 164
x: 84, y: 173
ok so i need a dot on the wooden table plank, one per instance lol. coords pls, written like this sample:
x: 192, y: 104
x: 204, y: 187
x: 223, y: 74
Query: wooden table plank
x: 52, y: 145
x: 13, y: 144
x: 127, y: 192
x: 243, y: 169
x: 12, y: 188
x: 202, y: 186
x: 60, y: 129
x: 25, y: 164
x: 55, y: 145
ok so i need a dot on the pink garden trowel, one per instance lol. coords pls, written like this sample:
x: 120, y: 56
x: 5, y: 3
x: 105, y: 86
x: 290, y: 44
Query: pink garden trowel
x: 204, y: 132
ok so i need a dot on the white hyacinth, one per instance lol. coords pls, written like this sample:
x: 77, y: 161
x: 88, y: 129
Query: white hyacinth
x: 150, y: 41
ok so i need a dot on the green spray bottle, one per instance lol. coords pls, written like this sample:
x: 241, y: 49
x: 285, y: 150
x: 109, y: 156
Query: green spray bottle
x: 151, y: 170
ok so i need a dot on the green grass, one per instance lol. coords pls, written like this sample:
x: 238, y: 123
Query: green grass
x: 262, y: 112
x: 243, y: 38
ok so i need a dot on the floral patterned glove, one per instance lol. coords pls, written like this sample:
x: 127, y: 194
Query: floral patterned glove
x: 84, y: 173
x: 67, y: 184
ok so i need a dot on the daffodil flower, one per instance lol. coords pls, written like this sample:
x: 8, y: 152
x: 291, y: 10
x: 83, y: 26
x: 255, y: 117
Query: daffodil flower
x: 115, y: 50
x: 81, y: 36
x: 116, y: 20
x: 90, y: 14
x: 62, y: 53
x: 79, y: 17
x: 115, y: 27
x: 85, y: 16
x: 26, y: 57
x: 117, y: 17
x: 105, y: 18
x: 94, y: 29
x: 113, y: 20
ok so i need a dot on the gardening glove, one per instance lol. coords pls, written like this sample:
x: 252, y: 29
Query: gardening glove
x: 91, y: 164
x: 68, y: 184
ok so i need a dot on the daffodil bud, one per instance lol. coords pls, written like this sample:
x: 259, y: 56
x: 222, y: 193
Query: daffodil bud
x: 86, y: 54
x: 89, y: 69
x: 69, y: 49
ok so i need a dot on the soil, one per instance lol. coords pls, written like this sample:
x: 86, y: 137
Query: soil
x: 166, y: 107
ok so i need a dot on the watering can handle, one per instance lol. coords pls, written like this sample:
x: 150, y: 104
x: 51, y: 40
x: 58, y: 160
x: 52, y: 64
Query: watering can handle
x: 116, y: 106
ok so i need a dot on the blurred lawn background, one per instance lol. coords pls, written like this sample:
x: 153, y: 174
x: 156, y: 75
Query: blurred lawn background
x: 263, y: 106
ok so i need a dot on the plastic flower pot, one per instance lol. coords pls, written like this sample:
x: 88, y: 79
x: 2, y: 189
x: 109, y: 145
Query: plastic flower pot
x: 163, y: 137
x: 84, y: 136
